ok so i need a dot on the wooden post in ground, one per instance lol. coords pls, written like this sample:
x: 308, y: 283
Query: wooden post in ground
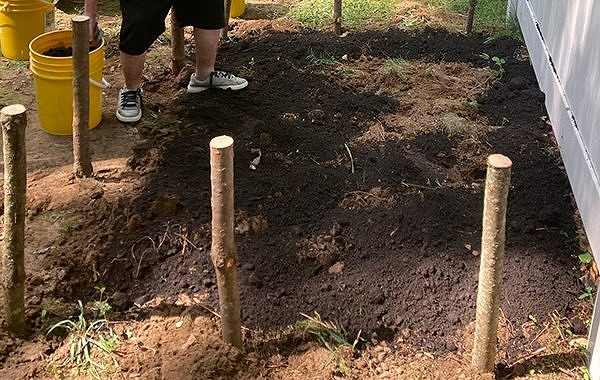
x: 492, y: 257
x: 14, y: 122
x: 177, y: 45
x: 337, y: 16
x: 82, y: 163
x: 223, y: 250
x: 471, y: 16
x: 227, y: 15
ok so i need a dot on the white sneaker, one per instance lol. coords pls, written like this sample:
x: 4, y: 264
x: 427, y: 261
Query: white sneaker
x: 129, y: 108
x: 216, y: 79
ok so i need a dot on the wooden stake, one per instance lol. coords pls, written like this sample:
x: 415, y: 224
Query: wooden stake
x: 223, y: 250
x: 14, y: 122
x: 227, y: 15
x: 492, y: 257
x: 471, y: 16
x: 177, y: 45
x: 82, y: 164
x: 337, y: 16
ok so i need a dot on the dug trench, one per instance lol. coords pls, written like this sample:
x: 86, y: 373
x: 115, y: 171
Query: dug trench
x: 366, y: 204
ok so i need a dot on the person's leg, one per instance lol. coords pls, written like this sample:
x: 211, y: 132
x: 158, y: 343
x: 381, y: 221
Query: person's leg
x: 133, y: 67
x: 207, y: 45
x: 208, y: 18
x: 142, y: 23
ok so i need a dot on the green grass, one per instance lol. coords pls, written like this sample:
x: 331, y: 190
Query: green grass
x: 318, y: 14
x: 397, y: 67
x: 490, y: 15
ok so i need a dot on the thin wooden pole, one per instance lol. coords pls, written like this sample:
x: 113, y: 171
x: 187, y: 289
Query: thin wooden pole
x: 177, y: 45
x: 14, y: 122
x: 492, y: 258
x: 227, y: 15
x: 471, y: 16
x: 223, y: 250
x: 82, y: 163
x: 337, y: 16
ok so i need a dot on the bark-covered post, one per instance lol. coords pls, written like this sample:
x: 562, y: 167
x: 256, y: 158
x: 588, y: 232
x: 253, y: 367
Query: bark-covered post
x: 223, y: 250
x: 471, y: 15
x: 337, y: 16
x: 177, y: 45
x: 227, y: 15
x: 492, y: 257
x: 82, y: 163
x: 14, y: 122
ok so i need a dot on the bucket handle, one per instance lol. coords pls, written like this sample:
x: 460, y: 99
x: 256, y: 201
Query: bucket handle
x: 101, y: 85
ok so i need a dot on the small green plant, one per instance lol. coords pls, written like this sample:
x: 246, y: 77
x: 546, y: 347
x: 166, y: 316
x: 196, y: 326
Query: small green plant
x: 587, y: 293
x: 495, y: 62
x: 320, y: 59
x: 69, y: 225
x: 586, y: 258
x: 395, y: 66
x: 533, y: 318
x: 86, y: 336
x: 585, y: 373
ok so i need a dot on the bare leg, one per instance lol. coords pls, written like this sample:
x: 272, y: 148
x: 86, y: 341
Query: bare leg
x: 207, y: 44
x: 133, y: 67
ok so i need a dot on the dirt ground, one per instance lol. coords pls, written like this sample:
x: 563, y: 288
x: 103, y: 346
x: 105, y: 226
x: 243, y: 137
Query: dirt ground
x: 364, y: 211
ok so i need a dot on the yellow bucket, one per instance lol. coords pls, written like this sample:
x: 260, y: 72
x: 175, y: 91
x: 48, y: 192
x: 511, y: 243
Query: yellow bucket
x: 53, y: 82
x: 20, y: 22
x: 237, y: 8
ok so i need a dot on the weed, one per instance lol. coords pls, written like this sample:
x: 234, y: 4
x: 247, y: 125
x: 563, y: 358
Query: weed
x: 533, y: 318
x: 87, y: 336
x: 395, y: 66
x: 329, y: 336
x: 586, y: 258
x: 494, y: 62
x: 69, y: 225
x: 587, y: 293
x: 320, y: 59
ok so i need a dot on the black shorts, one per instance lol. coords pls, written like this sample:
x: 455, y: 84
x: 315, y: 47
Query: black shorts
x: 144, y: 20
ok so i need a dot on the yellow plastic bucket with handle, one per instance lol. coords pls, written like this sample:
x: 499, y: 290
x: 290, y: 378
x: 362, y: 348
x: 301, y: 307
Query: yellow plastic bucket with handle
x: 53, y: 82
x: 20, y: 22
x: 237, y: 8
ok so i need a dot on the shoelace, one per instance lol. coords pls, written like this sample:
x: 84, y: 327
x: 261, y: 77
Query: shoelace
x: 129, y: 99
x: 222, y: 74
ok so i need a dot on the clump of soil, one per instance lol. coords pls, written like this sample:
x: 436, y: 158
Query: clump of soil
x: 62, y: 51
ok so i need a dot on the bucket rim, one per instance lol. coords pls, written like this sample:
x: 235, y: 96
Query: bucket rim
x: 66, y: 32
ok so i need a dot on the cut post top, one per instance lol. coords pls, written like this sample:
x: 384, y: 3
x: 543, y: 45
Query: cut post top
x: 80, y: 18
x: 221, y: 142
x: 499, y: 161
x: 12, y: 110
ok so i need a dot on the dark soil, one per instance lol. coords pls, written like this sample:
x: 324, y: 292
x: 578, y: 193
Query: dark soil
x: 402, y: 229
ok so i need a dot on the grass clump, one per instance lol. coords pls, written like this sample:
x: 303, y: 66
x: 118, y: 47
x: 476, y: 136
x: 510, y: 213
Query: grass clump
x: 397, y: 67
x: 329, y: 335
x: 87, y: 336
x: 318, y: 14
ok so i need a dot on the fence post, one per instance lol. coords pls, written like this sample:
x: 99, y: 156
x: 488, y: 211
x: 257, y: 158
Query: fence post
x: 225, y: 29
x: 82, y: 164
x: 177, y: 45
x: 471, y: 16
x: 14, y: 122
x: 223, y: 250
x: 337, y: 16
x: 493, y: 237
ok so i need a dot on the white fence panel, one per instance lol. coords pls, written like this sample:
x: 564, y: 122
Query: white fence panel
x: 562, y: 38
